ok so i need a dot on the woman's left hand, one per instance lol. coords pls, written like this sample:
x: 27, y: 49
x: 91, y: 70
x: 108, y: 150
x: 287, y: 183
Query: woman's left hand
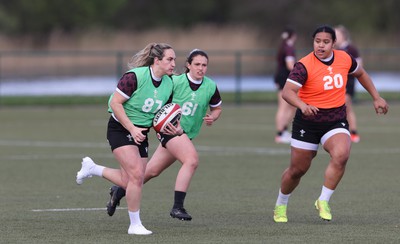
x: 381, y: 106
x: 170, y: 129
x: 208, y: 119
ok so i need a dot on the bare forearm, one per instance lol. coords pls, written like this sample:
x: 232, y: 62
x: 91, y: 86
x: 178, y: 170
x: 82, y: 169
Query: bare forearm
x: 215, y: 113
x: 212, y: 116
x: 366, y: 82
x: 121, y: 116
x: 291, y: 97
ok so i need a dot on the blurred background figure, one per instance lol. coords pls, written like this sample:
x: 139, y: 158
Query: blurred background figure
x: 343, y: 42
x: 286, y: 58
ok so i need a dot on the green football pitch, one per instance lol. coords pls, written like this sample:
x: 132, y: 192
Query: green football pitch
x: 231, y: 197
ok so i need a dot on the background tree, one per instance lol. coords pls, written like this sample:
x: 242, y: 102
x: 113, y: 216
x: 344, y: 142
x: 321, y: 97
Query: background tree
x: 41, y: 17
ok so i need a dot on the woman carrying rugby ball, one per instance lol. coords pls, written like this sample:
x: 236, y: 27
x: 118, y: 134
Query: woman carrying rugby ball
x: 196, y: 94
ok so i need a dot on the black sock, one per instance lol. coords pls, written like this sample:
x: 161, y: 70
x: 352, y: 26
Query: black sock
x: 279, y: 133
x: 120, y: 192
x: 179, y: 199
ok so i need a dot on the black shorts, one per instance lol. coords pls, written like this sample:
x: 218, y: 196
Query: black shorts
x: 164, y: 138
x: 350, y: 86
x: 118, y: 136
x: 280, y: 79
x: 308, y: 135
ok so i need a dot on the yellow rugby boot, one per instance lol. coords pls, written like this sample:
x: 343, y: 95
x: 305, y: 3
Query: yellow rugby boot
x: 324, y: 210
x: 280, y: 214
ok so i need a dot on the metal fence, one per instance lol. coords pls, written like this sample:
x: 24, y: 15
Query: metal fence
x: 33, y: 65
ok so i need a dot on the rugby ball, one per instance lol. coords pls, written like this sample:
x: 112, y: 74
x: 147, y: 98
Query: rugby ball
x: 170, y: 112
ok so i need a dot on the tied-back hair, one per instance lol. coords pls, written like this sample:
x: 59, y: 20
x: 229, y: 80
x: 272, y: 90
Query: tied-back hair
x: 288, y: 33
x: 326, y: 29
x: 344, y: 31
x: 192, y: 54
x: 146, y: 56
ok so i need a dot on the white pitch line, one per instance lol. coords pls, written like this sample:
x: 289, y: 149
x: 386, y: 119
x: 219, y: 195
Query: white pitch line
x: 218, y: 150
x: 52, y: 144
x: 70, y: 209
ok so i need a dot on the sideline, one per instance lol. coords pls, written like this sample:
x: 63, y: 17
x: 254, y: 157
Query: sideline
x: 207, y: 149
x: 71, y: 209
x: 217, y: 150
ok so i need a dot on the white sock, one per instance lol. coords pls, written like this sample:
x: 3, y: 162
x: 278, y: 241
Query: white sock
x: 135, y: 217
x: 97, y: 170
x: 282, y: 199
x: 326, y: 194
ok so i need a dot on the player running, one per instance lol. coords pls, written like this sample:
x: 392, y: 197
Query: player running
x: 317, y: 87
x: 195, y: 93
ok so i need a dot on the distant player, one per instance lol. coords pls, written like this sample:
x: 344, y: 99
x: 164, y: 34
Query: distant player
x: 286, y: 58
x: 343, y: 42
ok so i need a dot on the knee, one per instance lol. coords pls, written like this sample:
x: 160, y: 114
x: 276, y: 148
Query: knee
x: 340, y: 156
x: 192, y: 162
x: 295, y: 173
x: 135, y: 177
x: 152, y: 172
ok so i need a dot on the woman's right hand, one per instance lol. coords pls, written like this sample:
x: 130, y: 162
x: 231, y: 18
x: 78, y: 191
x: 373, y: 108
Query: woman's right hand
x: 309, y: 110
x: 137, y: 134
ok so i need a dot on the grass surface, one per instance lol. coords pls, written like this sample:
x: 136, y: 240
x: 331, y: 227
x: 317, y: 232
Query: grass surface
x: 231, y: 197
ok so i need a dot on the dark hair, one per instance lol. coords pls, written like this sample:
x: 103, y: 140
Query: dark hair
x: 327, y: 29
x: 192, y: 54
x: 288, y: 33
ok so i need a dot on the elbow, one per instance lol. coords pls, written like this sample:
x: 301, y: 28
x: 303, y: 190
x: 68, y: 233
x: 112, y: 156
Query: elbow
x: 113, y: 105
x: 285, y: 95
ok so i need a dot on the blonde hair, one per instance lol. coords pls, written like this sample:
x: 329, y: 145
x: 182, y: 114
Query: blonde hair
x: 146, y: 56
